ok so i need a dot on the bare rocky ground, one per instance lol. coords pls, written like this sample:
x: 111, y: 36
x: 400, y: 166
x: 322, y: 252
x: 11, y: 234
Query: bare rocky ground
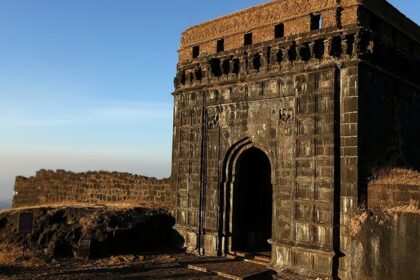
x: 125, y: 243
x: 166, y: 266
x: 58, y: 232
x: 163, y: 266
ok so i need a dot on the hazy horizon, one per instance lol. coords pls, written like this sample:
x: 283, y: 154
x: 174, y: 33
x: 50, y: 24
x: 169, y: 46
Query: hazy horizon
x: 86, y: 85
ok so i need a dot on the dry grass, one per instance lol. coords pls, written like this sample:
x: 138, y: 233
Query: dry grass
x: 356, y: 223
x: 396, y: 176
x: 12, y: 255
x: 412, y: 207
x: 8, y: 255
x: 116, y: 206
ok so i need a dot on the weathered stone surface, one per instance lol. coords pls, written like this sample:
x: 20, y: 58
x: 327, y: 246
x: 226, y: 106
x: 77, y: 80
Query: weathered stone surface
x: 325, y: 108
x: 384, y: 247
x: 260, y: 20
x: 389, y: 196
x: 58, y: 187
x: 282, y: 114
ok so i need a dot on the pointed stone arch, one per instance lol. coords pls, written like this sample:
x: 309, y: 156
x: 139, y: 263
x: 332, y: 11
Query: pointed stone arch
x: 227, y: 189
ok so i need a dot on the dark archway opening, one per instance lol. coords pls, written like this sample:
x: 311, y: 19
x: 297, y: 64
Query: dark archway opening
x: 252, y: 203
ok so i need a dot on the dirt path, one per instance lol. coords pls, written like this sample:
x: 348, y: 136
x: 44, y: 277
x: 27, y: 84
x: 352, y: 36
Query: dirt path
x: 160, y: 267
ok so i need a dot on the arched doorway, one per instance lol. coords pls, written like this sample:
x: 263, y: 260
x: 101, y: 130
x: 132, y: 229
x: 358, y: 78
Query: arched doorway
x: 252, y: 202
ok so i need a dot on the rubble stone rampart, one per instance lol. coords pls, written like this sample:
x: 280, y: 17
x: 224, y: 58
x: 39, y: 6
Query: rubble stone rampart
x: 383, y: 196
x: 57, y: 187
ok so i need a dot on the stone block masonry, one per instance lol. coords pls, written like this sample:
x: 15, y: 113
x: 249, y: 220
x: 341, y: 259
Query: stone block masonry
x: 61, y: 187
x: 282, y: 112
x: 389, y: 196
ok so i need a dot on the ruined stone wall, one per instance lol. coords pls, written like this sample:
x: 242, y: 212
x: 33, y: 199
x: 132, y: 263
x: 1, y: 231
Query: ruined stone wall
x: 61, y: 187
x: 384, y: 245
x: 383, y: 241
x: 383, y: 196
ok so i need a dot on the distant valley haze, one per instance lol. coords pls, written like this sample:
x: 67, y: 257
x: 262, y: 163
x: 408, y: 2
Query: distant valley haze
x: 5, y: 204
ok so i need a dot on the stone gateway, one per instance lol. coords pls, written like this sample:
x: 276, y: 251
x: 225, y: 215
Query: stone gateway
x: 282, y: 112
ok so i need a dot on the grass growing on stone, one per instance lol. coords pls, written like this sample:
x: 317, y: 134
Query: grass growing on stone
x: 396, y: 176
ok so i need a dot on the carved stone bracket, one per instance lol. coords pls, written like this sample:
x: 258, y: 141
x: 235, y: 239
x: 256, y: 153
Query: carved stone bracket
x: 213, y: 117
x: 271, y: 57
x: 285, y: 115
x: 213, y: 121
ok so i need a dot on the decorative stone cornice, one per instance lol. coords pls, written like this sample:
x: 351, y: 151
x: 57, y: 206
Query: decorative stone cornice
x: 274, y: 56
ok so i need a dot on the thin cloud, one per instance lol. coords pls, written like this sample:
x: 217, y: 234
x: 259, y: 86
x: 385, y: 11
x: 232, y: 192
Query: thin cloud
x: 142, y: 111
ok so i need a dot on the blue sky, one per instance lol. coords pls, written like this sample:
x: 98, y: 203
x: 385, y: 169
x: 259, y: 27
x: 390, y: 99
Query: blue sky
x: 86, y: 84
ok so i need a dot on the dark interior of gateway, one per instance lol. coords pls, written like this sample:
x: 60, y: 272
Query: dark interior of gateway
x: 252, y: 203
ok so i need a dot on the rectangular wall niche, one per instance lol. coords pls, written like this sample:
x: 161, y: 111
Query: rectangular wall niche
x: 248, y: 39
x: 316, y: 21
x: 195, y: 51
x: 279, y: 31
x: 220, y: 45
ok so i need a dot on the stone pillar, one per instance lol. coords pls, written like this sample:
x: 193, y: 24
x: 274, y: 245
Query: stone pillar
x: 298, y: 52
x: 273, y: 58
x: 327, y: 48
x: 312, y: 49
x: 349, y: 161
x: 344, y: 47
x: 285, y: 55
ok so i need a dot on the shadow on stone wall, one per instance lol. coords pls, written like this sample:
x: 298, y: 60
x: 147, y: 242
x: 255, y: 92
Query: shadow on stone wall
x: 385, y: 246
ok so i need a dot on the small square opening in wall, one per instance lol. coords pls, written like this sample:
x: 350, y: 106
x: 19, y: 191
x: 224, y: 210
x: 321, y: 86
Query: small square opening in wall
x: 220, y: 45
x: 195, y: 51
x: 248, y: 39
x: 279, y: 31
x: 316, y: 21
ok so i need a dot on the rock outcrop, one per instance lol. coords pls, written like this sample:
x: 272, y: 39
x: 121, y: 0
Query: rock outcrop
x: 62, y: 232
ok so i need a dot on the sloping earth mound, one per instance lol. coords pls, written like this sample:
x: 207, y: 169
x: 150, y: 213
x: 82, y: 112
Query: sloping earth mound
x: 59, y: 232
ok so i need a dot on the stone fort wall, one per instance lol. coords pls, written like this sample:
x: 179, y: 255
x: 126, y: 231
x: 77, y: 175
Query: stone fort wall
x: 329, y: 91
x: 58, y: 187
